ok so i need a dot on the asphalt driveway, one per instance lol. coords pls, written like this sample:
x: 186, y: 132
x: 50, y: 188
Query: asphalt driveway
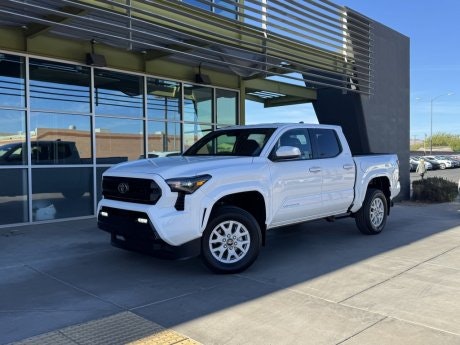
x: 316, y: 283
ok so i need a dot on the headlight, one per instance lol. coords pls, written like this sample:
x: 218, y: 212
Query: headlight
x: 187, y: 185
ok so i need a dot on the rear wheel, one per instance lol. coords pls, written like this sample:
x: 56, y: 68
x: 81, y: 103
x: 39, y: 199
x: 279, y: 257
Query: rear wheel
x: 231, y: 241
x: 372, y: 216
x: 442, y: 166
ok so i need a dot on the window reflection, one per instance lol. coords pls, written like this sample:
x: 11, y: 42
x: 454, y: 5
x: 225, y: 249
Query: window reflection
x: 118, y: 93
x: 164, y: 139
x: 61, y: 193
x: 58, y: 86
x: 163, y: 99
x: 118, y: 140
x: 13, y: 196
x: 194, y: 132
x: 12, y: 90
x: 227, y: 106
x: 60, y: 139
x: 197, y: 103
x: 12, y: 137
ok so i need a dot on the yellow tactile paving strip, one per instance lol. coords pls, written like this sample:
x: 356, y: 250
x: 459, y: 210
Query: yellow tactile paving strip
x: 123, y: 328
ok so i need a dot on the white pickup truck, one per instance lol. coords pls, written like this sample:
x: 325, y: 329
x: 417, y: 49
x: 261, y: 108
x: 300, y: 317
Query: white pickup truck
x: 221, y: 196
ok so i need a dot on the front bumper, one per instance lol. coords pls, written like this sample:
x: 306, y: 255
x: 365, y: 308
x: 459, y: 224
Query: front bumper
x: 133, y: 230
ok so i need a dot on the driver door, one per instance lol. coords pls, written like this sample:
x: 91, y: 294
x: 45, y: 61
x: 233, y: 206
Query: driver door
x: 297, y: 183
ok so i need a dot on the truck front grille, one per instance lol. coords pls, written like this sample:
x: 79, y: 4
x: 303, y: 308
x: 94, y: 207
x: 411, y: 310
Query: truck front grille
x: 136, y: 190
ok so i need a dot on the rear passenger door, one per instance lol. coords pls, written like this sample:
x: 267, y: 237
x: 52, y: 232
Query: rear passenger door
x: 337, y: 168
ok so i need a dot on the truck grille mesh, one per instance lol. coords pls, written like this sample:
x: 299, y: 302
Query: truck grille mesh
x: 141, y: 191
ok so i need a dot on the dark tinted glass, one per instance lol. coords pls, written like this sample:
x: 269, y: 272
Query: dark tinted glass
x: 12, y: 137
x: 118, y: 93
x: 327, y: 143
x: 59, y: 86
x: 61, y: 193
x: 13, y: 196
x: 12, y: 90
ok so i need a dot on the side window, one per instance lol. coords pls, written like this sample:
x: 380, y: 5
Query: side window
x: 326, y: 143
x: 299, y: 138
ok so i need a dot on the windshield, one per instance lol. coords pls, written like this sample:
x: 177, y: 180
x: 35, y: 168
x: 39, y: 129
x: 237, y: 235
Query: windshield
x: 232, y: 142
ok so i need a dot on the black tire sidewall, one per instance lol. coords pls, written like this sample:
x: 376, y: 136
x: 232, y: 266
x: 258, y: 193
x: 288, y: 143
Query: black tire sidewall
x: 223, y: 214
x: 364, y: 219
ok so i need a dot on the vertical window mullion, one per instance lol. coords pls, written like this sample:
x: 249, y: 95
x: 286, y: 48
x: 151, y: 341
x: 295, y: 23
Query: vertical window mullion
x: 93, y: 138
x: 28, y: 138
x: 146, y: 120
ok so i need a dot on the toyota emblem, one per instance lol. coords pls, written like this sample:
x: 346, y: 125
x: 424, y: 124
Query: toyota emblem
x: 123, y: 188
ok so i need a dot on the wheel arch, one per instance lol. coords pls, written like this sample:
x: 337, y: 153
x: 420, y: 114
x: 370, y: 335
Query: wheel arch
x: 382, y: 183
x: 250, y: 201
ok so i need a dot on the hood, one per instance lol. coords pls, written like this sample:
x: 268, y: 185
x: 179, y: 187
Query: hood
x: 178, y: 166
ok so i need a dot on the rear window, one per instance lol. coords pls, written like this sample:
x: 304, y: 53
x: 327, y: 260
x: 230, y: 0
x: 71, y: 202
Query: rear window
x: 326, y: 142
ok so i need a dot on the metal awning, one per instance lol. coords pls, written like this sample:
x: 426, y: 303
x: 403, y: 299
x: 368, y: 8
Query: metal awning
x: 318, y: 43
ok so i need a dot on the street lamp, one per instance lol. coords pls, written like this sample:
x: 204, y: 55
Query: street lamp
x: 431, y: 118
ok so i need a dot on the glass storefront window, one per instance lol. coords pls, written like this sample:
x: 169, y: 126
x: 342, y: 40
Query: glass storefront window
x: 164, y: 139
x: 198, y: 103
x: 118, y: 93
x: 12, y: 89
x: 163, y: 99
x: 12, y: 137
x: 13, y: 196
x: 58, y: 86
x: 60, y: 142
x: 62, y: 193
x: 227, y: 106
x: 193, y: 132
x: 118, y: 140
x: 60, y: 139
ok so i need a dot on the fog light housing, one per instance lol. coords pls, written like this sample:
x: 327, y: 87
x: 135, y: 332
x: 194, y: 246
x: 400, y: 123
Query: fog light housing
x: 142, y: 220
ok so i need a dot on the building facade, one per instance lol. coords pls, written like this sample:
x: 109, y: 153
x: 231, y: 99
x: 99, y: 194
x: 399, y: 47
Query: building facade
x: 85, y: 84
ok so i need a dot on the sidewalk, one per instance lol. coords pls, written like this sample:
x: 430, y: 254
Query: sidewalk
x: 318, y: 283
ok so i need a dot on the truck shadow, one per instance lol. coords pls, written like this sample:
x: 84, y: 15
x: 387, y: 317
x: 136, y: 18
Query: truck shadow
x: 79, y: 262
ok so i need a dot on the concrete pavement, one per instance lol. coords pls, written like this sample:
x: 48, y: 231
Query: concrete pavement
x: 316, y: 283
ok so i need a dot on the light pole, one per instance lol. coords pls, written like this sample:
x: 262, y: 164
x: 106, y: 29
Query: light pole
x: 431, y: 118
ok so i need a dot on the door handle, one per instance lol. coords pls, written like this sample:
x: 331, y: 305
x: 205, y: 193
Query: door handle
x: 348, y: 166
x: 315, y: 169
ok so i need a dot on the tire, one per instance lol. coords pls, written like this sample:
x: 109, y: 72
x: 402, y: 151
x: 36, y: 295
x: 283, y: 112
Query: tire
x: 372, y: 216
x: 442, y: 166
x: 239, y: 228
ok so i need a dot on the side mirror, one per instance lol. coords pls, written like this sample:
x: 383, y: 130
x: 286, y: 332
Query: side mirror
x: 287, y: 152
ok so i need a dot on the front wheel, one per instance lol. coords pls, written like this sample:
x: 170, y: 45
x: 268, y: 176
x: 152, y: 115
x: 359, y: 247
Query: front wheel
x: 372, y: 216
x: 231, y: 240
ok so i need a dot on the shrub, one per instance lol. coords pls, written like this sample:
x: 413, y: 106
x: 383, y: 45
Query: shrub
x: 434, y: 189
